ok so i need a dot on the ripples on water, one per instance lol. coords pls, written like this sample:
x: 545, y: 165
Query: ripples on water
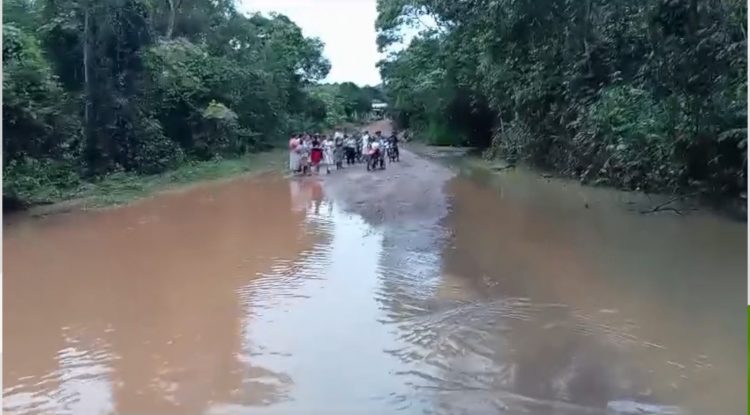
x: 251, y: 298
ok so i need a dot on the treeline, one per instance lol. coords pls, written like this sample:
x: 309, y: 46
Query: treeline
x: 639, y: 94
x: 346, y: 102
x: 95, y: 87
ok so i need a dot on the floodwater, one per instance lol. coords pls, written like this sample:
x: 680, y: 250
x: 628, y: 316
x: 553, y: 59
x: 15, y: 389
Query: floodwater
x: 271, y: 296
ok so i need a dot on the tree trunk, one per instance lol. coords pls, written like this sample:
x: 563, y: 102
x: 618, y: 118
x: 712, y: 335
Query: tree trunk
x: 693, y: 17
x: 172, y: 12
x: 91, y: 145
x: 586, y: 30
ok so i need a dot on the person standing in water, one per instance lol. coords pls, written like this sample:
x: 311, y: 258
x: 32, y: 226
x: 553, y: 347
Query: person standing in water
x: 350, y: 149
x: 338, y: 152
x: 294, y: 143
x: 304, y: 154
x: 365, y: 146
x: 316, y: 153
x: 328, y: 148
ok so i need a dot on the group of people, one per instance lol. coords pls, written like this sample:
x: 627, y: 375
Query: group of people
x: 308, y: 153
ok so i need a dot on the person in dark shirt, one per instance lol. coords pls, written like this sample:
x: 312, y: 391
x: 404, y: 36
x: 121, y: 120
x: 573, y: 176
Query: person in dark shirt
x: 393, y: 143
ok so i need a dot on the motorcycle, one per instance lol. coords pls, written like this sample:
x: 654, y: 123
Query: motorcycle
x: 375, y: 159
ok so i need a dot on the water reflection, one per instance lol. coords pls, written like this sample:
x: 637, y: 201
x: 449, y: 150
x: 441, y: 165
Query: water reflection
x: 156, y: 283
x: 595, y: 305
x: 81, y: 384
x: 315, y: 320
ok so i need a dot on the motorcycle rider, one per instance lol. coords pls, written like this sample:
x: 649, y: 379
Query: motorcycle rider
x: 393, y: 143
x: 375, y: 154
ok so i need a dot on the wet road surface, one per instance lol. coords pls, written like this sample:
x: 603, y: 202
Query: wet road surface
x: 411, y: 290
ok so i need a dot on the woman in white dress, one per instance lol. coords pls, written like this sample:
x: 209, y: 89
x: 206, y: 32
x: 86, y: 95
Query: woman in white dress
x: 328, y: 147
x: 366, y: 147
x: 293, y: 153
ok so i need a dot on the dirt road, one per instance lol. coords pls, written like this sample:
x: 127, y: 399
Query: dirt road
x: 406, y: 191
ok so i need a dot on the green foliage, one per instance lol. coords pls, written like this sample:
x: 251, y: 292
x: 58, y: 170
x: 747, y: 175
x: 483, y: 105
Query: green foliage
x: 150, y: 150
x: 36, y: 119
x: 626, y: 137
x: 635, y: 93
x: 345, y: 102
x: 439, y: 134
x: 42, y: 183
x: 35, y: 181
x: 220, y: 132
x: 40, y: 134
x: 122, y: 187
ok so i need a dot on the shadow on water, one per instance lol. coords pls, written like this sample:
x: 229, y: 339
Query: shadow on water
x: 266, y: 296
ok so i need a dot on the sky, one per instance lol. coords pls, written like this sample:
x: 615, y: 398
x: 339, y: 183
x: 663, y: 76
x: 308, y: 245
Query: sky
x: 347, y: 27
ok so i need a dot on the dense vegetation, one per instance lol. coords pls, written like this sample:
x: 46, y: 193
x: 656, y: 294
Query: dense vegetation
x: 633, y: 93
x: 93, y: 88
x: 345, y: 102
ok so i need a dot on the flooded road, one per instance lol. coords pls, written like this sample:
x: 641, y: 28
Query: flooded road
x: 412, y: 290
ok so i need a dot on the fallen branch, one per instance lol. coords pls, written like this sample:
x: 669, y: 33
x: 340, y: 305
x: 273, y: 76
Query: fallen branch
x: 662, y: 209
x: 501, y: 168
x: 665, y: 206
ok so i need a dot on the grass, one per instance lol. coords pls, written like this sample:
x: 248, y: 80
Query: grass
x: 121, y: 188
x: 437, y: 134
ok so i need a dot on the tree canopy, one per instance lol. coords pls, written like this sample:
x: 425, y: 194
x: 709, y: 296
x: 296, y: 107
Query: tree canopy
x: 635, y: 93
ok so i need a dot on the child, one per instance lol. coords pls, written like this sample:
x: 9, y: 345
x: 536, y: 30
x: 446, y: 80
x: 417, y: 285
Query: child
x: 316, y: 154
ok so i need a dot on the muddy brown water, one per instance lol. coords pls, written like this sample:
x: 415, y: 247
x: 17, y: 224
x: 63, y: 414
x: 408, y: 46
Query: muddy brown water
x: 411, y: 290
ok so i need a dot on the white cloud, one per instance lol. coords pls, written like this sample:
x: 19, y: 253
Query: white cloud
x: 347, y: 27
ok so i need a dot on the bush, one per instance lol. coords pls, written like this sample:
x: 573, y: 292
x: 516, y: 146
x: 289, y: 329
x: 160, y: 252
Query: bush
x: 513, y: 142
x: 219, y: 133
x: 36, y: 181
x: 625, y: 140
x: 439, y: 134
x: 151, y: 151
x: 35, y: 119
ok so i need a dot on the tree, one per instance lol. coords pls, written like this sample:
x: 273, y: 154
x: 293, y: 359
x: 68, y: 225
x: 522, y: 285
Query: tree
x: 565, y: 84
